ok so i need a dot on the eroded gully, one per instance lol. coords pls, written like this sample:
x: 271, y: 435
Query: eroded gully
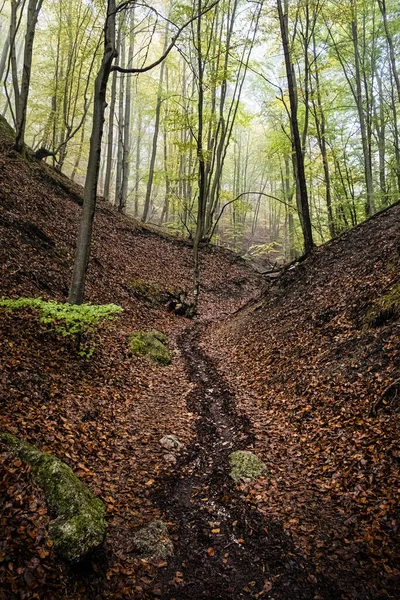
x: 223, y: 548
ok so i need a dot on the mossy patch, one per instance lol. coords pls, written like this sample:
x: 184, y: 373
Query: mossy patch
x: 384, y: 310
x: 151, y: 344
x: 6, y: 131
x: 79, y: 525
x: 152, y: 292
x: 245, y: 465
x: 153, y: 541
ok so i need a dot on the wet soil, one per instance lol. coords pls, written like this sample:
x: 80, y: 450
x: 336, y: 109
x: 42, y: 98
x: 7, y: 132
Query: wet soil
x: 223, y: 548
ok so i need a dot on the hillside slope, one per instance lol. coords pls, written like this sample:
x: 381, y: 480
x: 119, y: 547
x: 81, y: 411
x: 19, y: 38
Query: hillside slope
x: 103, y: 416
x: 315, y: 364
x: 304, y: 372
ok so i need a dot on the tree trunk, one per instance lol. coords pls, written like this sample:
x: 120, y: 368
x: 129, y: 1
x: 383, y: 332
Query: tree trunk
x: 77, y: 289
x: 110, y: 141
x: 201, y: 206
x: 298, y: 155
x: 392, y: 54
x: 79, y: 155
x: 155, y: 134
x: 120, y: 129
x: 127, y: 120
x: 370, y: 204
x: 137, y: 161
x: 34, y: 7
x: 320, y: 124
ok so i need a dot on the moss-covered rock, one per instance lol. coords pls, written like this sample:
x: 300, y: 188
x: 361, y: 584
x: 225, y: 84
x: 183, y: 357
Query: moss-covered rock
x: 153, y: 541
x: 79, y: 525
x: 384, y: 310
x: 151, y: 344
x: 245, y: 466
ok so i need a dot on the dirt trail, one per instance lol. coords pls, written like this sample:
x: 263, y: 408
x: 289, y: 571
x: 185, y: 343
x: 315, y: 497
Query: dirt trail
x: 224, y: 549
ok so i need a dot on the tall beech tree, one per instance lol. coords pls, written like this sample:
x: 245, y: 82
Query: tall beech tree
x: 304, y: 210
x: 83, y: 246
x: 21, y: 88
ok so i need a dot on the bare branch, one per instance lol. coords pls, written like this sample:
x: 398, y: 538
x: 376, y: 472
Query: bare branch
x: 169, y: 48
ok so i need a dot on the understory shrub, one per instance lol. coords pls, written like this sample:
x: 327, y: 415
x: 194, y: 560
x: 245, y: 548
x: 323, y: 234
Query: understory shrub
x: 66, y: 319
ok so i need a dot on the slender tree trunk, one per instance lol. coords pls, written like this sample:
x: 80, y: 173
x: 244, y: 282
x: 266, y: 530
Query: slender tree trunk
x: 380, y: 129
x: 4, y: 56
x: 370, y: 204
x: 13, y: 58
x: 155, y: 134
x: 320, y: 124
x: 298, y: 154
x: 79, y: 155
x: 137, y: 161
x: 110, y: 141
x: 165, y: 210
x: 120, y: 129
x: 77, y: 289
x: 289, y: 200
x: 202, y: 184
x: 34, y: 7
x: 127, y: 120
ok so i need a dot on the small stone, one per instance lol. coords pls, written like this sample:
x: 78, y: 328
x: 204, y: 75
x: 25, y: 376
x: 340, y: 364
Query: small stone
x: 170, y: 458
x: 171, y: 442
x: 153, y: 541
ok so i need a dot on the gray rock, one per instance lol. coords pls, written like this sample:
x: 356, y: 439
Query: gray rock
x: 171, y: 442
x: 79, y: 525
x: 153, y: 541
x: 170, y: 458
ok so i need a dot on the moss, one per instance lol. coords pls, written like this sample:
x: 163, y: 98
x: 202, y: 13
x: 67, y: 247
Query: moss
x: 79, y: 524
x: 152, y: 292
x: 6, y: 131
x: 246, y: 465
x: 146, y: 289
x: 151, y: 344
x: 384, y: 310
x: 153, y: 541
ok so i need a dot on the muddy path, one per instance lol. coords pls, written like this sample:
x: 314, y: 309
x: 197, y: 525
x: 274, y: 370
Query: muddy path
x: 223, y: 548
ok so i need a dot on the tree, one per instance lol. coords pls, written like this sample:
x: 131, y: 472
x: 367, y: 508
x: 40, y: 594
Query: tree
x: 83, y: 246
x: 294, y: 125
x: 21, y: 89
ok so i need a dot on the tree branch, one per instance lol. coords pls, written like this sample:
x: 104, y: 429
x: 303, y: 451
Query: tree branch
x: 169, y: 48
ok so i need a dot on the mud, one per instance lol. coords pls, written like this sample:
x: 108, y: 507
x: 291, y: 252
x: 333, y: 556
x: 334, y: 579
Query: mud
x: 224, y: 548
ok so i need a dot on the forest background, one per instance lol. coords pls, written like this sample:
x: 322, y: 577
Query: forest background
x: 216, y: 123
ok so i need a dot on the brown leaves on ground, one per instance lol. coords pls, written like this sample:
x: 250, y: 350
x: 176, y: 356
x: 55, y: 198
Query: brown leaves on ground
x: 309, y: 378
x: 103, y: 416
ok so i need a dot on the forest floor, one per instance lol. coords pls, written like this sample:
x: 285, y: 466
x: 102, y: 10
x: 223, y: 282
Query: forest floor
x: 283, y: 369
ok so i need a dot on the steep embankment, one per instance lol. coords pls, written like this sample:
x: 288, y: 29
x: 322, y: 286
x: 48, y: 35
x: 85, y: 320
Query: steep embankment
x: 315, y: 364
x: 103, y: 416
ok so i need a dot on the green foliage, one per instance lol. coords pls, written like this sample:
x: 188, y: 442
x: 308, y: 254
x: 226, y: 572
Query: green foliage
x: 151, y: 344
x: 262, y: 250
x: 65, y: 319
x: 385, y: 309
